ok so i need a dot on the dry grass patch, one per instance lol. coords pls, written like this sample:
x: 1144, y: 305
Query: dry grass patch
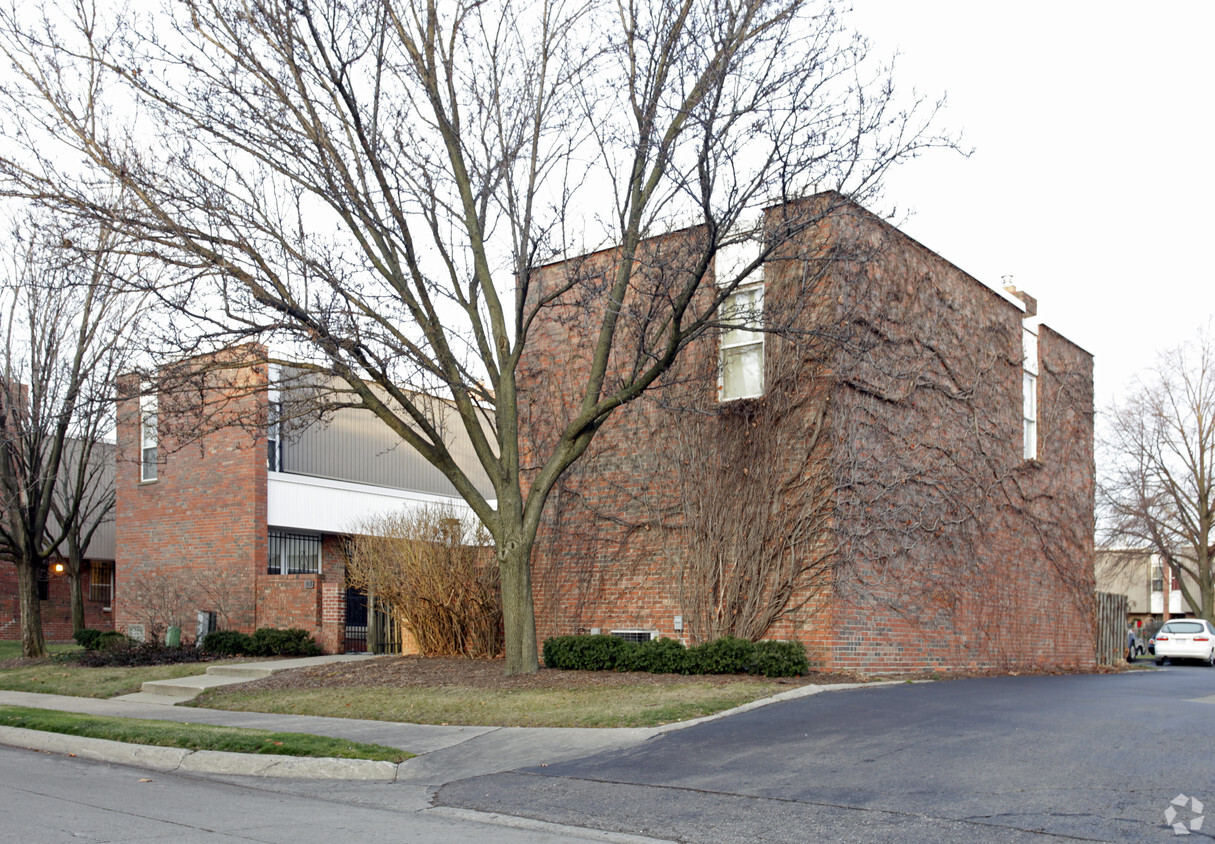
x: 620, y: 706
x: 56, y: 677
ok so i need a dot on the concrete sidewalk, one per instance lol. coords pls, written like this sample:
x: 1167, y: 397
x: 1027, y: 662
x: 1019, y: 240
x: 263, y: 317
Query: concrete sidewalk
x: 443, y: 754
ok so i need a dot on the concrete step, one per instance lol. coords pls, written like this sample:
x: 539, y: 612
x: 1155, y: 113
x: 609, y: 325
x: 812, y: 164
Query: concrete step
x: 170, y: 692
x: 191, y: 686
x: 253, y: 671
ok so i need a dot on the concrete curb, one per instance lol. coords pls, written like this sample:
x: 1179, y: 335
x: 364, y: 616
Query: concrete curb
x: 168, y: 759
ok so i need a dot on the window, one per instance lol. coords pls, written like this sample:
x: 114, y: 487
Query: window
x: 274, y: 438
x: 741, y: 373
x: 634, y: 635
x: 101, y: 582
x: 742, y: 348
x: 293, y: 553
x: 274, y: 420
x: 148, y: 437
x: 1029, y: 391
x: 1157, y: 576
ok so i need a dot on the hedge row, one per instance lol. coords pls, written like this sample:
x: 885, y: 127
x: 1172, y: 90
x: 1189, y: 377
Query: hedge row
x: 265, y: 641
x: 726, y: 655
x: 108, y: 647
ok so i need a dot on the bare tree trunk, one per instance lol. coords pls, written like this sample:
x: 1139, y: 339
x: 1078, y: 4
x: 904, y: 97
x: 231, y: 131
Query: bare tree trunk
x: 76, y: 588
x: 518, y: 608
x: 33, y: 645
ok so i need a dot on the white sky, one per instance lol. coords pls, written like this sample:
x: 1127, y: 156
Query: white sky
x: 1093, y: 177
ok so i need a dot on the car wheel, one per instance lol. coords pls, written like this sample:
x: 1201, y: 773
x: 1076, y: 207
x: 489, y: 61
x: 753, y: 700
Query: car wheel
x: 1160, y: 660
x: 1210, y: 660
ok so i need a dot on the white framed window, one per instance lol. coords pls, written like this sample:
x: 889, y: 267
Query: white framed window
x: 274, y: 438
x: 742, y: 347
x: 293, y: 553
x: 741, y: 364
x: 148, y: 436
x: 274, y: 421
x: 1029, y: 392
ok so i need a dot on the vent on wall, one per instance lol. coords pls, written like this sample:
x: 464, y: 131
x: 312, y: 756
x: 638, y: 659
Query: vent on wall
x: 634, y: 635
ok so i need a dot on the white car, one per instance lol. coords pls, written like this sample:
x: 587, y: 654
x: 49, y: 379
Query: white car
x: 1186, y: 638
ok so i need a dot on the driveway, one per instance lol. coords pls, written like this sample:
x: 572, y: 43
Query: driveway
x: 1093, y: 757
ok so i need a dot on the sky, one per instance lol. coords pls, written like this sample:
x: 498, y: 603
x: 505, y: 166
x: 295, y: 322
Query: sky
x: 1092, y: 180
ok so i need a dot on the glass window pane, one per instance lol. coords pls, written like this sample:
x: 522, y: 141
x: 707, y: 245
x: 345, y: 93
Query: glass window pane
x: 742, y: 374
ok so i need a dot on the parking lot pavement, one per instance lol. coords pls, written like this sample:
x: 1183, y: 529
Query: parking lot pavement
x: 1098, y: 757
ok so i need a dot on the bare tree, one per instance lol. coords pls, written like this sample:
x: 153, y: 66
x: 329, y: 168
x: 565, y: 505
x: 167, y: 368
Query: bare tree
x: 84, y: 496
x: 372, y: 184
x: 1158, y: 485
x: 64, y: 325
x: 430, y: 568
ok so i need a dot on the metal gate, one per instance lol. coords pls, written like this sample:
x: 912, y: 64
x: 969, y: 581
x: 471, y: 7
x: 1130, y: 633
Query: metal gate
x: 369, y: 627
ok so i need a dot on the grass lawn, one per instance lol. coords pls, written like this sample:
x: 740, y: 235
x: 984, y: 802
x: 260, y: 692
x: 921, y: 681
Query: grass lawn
x: 620, y: 706
x: 195, y: 736
x: 51, y: 676
x: 11, y: 649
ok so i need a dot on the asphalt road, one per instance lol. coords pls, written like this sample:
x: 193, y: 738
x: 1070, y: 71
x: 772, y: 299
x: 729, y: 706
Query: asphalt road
x: 49, y: 798
x: 1094, y: 757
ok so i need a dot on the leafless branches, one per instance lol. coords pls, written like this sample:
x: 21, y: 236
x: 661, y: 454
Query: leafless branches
x: 66, y: 323
x: 370, y: 185
x: 440, y: 586
x: 1158, y: 485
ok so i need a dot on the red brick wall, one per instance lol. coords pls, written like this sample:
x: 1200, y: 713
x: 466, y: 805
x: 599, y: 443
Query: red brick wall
x: 945, y: 548
x: 195, y: 537
x: 56, y: 610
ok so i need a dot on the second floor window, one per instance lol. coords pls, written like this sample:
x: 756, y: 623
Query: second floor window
x: 274, y: 438
x: 148, y: 437
x: 1029, y: 391
x: 742, y: 347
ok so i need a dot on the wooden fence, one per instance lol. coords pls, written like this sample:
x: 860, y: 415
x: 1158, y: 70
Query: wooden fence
x: 1109, y: 621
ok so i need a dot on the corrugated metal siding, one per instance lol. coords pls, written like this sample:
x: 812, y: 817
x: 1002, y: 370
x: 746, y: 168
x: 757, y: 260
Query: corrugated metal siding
x: 355, y: 445
x: 101, y: 473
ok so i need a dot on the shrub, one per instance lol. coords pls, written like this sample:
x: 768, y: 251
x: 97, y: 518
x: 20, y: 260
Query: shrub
x: 270, y: 641
x: 87, y: 638
x: 780, y: 659
x: 727, y: 655
x: 227, y: 643
x: 113, y: 640
x: 438, y: 576
x: 584, y: 653
x: 141, y: 653
x: 657, y: 656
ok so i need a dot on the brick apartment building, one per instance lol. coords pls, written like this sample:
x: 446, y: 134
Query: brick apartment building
x: 233, y: 517
x: 901, y: 478
x: 97, y: 576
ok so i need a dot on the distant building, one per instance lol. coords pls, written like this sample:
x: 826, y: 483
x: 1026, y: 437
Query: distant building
x: 1141, y: 575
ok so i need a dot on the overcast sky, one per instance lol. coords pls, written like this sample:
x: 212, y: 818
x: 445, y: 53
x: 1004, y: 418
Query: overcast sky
x: 1093, y: 178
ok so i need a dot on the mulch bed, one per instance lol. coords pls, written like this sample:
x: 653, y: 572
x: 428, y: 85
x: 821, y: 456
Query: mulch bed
x: 400, y: 671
